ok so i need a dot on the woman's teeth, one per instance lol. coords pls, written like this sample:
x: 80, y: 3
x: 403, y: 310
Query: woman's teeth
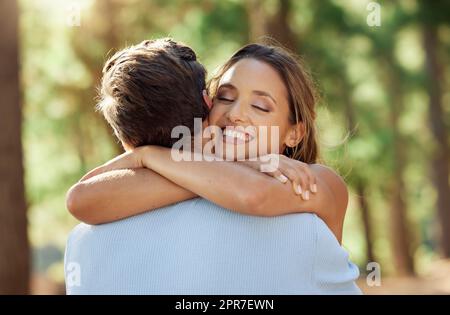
x: 235, y: 134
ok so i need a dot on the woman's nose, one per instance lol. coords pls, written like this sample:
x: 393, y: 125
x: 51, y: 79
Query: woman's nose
x: 237, y: 113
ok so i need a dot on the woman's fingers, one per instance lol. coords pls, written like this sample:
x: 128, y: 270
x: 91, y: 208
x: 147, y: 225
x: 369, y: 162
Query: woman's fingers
x: 311, y: 178
x: 297, y: 188
x: 294, y: 178
x: 299, y: 184
x: 275, y: 174
x: 280, y: 176
x: 299, y: 174
x: 288, y: 168
x: 304, y: 182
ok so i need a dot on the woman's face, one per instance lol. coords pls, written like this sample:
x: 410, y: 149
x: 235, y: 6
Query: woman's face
x: 251, y: 95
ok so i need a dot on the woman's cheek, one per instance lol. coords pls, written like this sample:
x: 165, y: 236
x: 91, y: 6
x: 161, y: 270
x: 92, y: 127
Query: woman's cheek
x: 274, y: 139
x: 212, y: 118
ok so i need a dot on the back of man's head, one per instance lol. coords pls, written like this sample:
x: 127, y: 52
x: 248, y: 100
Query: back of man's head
x: 149, y: 89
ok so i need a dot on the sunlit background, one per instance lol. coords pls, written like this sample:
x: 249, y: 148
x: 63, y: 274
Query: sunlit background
x: 383, y: 118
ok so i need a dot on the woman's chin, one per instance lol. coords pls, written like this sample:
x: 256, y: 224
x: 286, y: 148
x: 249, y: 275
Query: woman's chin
x: 236, y: 152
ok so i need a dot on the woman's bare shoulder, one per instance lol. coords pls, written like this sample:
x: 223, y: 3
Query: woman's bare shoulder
x: 338, y: 193
x: 335, y: 182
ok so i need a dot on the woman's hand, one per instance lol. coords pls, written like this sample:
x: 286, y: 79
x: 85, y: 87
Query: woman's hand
x: 128, y: 160
x: 285, y: 169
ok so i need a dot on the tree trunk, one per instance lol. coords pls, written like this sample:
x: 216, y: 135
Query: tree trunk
x: 441, y: 152
x: 367, y: 223
x: 276, y: 26
x: 401, y: 237
x: 110, y: 36
x: 360, y: 184
x: 256, y: 19
x: 14, y: 247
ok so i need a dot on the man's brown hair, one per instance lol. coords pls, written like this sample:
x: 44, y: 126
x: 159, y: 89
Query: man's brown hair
x: 150, y: 88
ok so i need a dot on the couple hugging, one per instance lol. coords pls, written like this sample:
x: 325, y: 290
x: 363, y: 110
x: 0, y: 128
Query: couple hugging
x: 154, y: 224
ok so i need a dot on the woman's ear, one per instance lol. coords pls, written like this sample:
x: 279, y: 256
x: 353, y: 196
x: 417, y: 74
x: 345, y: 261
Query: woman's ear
x: 295, y: 135
x: 207, y: 99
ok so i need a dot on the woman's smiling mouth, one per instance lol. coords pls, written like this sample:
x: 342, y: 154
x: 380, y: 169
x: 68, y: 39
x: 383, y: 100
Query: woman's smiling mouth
x: 234, y: 135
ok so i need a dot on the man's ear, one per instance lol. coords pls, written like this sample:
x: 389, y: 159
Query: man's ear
x: 295, y: 135
x: 207, y: 99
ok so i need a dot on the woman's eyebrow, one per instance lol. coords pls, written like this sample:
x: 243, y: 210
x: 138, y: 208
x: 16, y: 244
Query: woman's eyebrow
x: 227, y: 85
x: 262, y: 93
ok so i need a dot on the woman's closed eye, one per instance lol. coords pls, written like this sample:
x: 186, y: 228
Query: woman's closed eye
x: 261, y: 105
x: 225, y: 99
x: 260, y: 108
x: 230, y: 100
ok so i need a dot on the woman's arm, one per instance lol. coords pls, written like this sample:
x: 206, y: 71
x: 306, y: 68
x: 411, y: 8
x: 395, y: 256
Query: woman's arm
x: 122, y: 188
x: 240, y: 188
x: 108, y: 197
x: 122, y: 193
